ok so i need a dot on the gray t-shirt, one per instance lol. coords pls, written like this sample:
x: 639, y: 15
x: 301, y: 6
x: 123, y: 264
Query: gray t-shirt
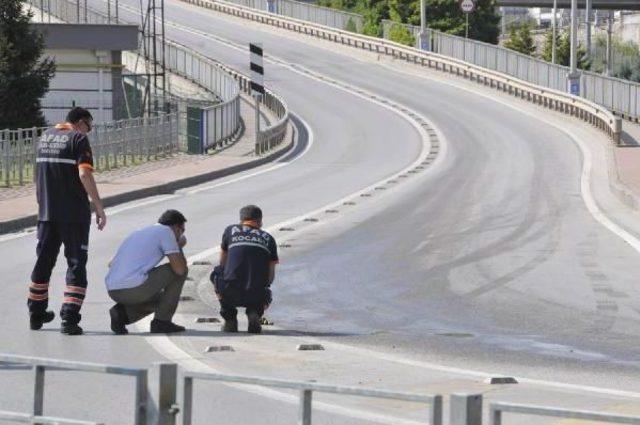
x: 138, y: 254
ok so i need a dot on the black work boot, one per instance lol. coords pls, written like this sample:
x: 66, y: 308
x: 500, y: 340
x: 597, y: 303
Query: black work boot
x: 230, y: 325
x: 118, y: 319
x: 70, y: 328
x: 37, y: 319
x: 254, y: 323
x: 165, y: 327
x: 70, y: 322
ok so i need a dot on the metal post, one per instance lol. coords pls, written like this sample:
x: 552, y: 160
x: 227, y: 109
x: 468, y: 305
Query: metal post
x: 117, y: 14
x: 164, y: 380
x: 466, y: 31
x: 609, y: 68
x: 305, y: 407
x: 554, y: 32
x: 573, y: 79
x: 86, y: 12
x: 38, y: 390
x: 187, y: 401
x: 257, y: 108
x: 109, y: 11
x: 495, y: 417
x: 435, y: 411
x: 77, y: 11
x: 423, y: 36
x: 142, y: 399
x: 587, y: 21
x: 466, y: 409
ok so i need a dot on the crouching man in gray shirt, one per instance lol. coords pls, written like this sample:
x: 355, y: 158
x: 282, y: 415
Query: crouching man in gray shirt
x: 138, y: 285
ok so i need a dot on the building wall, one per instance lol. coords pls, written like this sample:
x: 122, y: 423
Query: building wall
x: 86, y: 78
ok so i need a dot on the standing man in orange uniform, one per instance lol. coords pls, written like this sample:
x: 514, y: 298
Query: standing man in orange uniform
x: 64, y: 178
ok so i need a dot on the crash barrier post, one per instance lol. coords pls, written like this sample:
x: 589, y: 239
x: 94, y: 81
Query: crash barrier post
x: 41, y: 365
x: 497, y: 409
x: 306, y: 389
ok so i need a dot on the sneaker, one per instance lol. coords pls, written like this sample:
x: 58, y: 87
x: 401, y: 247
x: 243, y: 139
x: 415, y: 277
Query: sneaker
x: 70, y: 328
x: 36, y: 320
x: 254, y: 323
x: 165, y: 327
x: 118, y: 319
x: 230, y: 325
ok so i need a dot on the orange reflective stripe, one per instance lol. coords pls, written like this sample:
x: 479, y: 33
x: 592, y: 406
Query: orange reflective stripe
x: 39, y: 286
x: 39, y: 297
x: 64, y: 126
x: 72, y: 300
x: 76, y: 289
x: 86, y: 165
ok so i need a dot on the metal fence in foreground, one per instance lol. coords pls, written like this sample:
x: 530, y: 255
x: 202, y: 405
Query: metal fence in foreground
x: 114, y: 144
x: 39, y: 367
x: 306, y: 389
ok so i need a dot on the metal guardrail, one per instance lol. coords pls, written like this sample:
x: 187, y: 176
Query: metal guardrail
x: 618, y: 95
x: 307, y: 12
x: 26, y: 418
x: 114, y: 144
x: 496, y: 410
x: 40, y: 365
x: 222, y: 122
x: 578, y: 107
x: 434, y: 402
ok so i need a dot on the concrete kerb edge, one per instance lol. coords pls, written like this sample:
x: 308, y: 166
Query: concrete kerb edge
x: 21, y: 223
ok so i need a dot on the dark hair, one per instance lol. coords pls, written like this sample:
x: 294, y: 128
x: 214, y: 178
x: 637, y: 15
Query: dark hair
x: 172, y: 217
x: 250, y: 212
x: 77, y: 113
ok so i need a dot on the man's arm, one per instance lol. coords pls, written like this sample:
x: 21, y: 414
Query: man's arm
x: 178, y: 263
x: 86, y: 177
x: 223, y: 257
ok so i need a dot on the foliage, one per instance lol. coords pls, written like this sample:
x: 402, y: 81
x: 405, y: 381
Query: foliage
x: 401, y: 34
x: 24, y: 77
x: 563, y: 50
x: 442, y: 15
x: 521, y: 40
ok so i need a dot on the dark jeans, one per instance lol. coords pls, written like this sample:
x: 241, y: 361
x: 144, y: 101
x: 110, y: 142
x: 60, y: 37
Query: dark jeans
x: 51, y: 235
x: 252, y: 301
x: 158, y: 294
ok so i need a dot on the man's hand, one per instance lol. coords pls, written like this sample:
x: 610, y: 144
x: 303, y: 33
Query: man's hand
x: 101, y: 218
x: 182, y: 241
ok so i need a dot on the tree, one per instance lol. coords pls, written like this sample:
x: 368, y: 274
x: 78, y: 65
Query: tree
x: 351, y: 26
x: 401, y: 34
x: 520, y: 40
x: 563, y: 50
x: 24, y: 77
x: 442, y: 15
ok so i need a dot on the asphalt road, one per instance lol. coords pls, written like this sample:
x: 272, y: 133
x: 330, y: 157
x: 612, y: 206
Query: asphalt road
x: 488, y: 260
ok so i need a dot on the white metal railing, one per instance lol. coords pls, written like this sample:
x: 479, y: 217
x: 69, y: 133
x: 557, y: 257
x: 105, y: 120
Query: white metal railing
x: 308, y: 12
x: 223, y: 120
x: 618, y: 95
x: 41, y: 365
x: 497, y: 409
x: 26, y: 418
x: 578, y: 107
x: 433, y: 402
x: 113, y: 144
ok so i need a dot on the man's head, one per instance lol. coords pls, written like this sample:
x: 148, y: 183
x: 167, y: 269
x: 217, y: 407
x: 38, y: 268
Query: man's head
x: 251, y: 214
x: 81, y: 119
x: 175, y: 220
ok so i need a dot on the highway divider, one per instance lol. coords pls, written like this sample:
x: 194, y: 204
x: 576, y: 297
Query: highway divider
x: 580, y: 108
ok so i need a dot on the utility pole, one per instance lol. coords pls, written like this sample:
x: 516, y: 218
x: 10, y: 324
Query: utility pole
x: 609, y: 68
x: 573, y: 79
x: 423, y: 37
x: 587, y: 21
x: 554, y: 32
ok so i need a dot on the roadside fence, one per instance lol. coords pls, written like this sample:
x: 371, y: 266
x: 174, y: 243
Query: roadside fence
x: 578, y: 107
x: 164, y: 391
x: 114, y: 144
x: 618, y: 95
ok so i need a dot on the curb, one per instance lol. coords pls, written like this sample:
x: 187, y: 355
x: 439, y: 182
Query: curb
x: 619, y: 189
x: 21, y: 223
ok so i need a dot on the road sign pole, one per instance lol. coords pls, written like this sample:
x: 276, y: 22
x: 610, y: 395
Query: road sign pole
x: 466, y: 31
x: 554, y: 31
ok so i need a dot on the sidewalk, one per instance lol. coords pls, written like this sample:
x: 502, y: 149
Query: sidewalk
x: 627, y: 164
x: 18, y: 207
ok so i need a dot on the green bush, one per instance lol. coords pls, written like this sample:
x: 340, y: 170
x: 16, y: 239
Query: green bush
x: 400, y: 34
